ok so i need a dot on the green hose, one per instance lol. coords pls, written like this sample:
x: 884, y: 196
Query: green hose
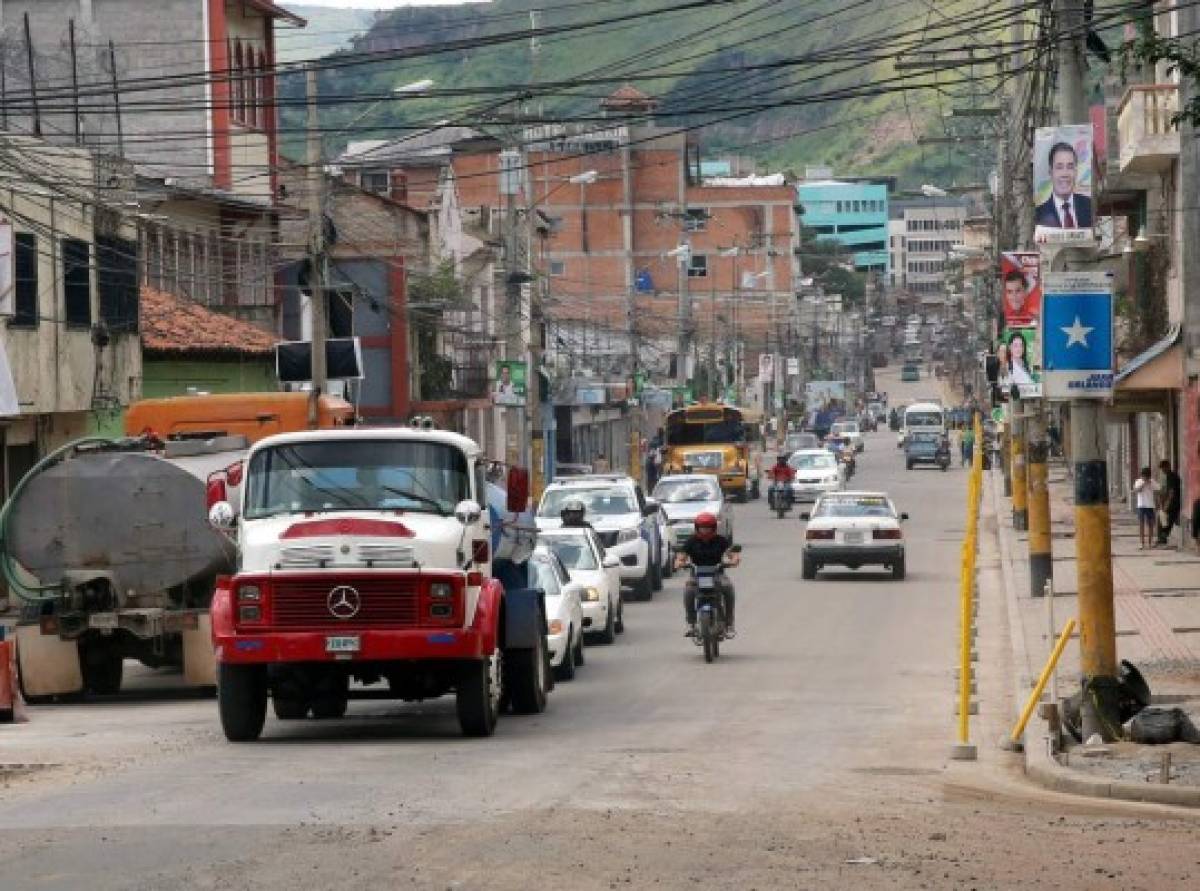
x: 36, y: 593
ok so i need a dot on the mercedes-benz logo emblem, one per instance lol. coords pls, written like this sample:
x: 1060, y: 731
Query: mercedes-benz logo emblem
x: 343, y: 602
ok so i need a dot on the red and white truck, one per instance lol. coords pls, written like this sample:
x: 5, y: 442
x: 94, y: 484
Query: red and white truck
x: 365, y: 558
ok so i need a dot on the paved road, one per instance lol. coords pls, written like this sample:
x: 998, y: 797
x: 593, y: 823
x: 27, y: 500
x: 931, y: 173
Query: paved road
x: 818, y: 738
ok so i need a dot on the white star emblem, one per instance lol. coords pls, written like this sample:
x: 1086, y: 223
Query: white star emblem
x: 1077, y: 333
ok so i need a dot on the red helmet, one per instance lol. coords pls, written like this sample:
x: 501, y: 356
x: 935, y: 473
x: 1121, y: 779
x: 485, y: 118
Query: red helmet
x: 705, y: 525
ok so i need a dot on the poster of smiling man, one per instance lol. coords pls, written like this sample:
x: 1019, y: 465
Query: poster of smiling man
x: 1062, y: 184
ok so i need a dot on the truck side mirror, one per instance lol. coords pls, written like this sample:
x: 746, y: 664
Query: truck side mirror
x: 517, y: 490
x: 467, y: 512
x: 222, y: 515
x: 651, y: 508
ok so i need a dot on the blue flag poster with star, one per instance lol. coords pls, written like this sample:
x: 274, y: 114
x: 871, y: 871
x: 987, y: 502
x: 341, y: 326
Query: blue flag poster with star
x: 1077, y: 335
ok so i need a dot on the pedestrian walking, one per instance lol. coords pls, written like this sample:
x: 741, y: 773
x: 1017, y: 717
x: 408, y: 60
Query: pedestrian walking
x: 967, y: 449
x: 600, y: 464
x: 652, y: 466
x: 1146, y: 491
x: 1170, y: 502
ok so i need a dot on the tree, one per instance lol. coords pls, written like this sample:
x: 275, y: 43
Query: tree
x: 430, y: 296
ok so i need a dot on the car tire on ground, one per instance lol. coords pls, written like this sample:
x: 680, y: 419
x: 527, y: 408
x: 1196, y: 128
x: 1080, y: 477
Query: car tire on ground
x: 565, y: 671
x: 898, y: 569
x: 643, y: 588
x: 477, y: 697
x: 656, y: 578
x: 242, y: 700
x: 577, y: 652
x: 670, y: 568
x: 609, y: 634
x: 808, y: 568
x: 908, y: 465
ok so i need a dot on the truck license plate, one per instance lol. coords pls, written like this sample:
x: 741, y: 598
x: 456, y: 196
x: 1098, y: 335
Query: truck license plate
x: 349, y: 643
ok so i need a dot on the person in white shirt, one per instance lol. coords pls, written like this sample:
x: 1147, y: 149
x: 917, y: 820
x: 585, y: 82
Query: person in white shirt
x: 1147, y: 491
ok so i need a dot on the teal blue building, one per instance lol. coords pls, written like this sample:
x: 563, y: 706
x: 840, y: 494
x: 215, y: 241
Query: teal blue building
x: 853, y: 213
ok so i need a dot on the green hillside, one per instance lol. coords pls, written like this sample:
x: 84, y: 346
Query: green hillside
x: 328, y: 31
x: 703, y: 64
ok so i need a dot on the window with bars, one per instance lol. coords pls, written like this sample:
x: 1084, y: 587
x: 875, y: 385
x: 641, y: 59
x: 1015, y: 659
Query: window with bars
x: 77, y: 282
x: 25, y: 280
x: 698, y: 266
x: 116, y: 282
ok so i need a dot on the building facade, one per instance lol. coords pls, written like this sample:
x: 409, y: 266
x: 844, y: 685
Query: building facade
x: 854, y: 214
x: 930, y: 228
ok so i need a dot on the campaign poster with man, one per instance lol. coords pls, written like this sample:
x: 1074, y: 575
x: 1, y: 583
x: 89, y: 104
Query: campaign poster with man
x: 509, y: 388
x: 1020, y: 289
x: 1062, y: 183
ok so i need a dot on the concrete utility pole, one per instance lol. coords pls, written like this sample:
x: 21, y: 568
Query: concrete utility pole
x: 315, y: 178
x: 1089, y: 447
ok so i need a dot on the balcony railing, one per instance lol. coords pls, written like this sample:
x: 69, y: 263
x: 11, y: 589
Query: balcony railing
x: 1148, y: 141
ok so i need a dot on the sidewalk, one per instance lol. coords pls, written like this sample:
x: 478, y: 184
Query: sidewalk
x: 1157, y: 602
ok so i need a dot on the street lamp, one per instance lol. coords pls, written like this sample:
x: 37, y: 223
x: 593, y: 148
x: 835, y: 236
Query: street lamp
x: 583, y: 179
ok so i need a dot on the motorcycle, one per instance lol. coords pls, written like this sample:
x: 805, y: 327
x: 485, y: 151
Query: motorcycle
x: 780, y: 497
x: 710, y: 607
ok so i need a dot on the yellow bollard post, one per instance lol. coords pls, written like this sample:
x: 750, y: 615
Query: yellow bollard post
x: 962, y: 749
x: 1036, y: 693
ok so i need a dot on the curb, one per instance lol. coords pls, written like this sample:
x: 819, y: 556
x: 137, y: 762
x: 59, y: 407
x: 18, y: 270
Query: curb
x: 1040, y: 766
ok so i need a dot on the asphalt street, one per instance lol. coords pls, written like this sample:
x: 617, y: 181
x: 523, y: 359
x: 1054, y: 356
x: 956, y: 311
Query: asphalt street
x: 811, y: 754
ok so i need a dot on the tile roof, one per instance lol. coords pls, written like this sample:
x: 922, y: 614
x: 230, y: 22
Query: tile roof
x: 183, y: 327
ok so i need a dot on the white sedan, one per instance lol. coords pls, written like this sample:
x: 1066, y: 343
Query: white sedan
x: 853, y: 529
x: 818, y: 471
x: 849, y: 430
x: 564, y: 612
x: 598, y: 573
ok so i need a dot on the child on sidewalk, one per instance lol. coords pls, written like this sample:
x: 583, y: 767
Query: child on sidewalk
x: 1147, y: 491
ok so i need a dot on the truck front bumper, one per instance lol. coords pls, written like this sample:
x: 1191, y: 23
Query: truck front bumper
x: 374, y: 645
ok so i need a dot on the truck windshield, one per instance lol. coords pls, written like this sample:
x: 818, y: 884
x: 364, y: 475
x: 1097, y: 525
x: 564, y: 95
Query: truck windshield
x: 355, y: 475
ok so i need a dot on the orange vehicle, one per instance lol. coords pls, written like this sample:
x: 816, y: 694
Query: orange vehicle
x: 252, y: 415
x: 709, y: 438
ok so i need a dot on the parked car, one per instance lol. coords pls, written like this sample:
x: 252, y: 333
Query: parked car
x: 853, y: 529
x: 629, y: 525
x: 818, y: 471
x: 684, y: 496
x: 597, y: 573
x: 927, y: 448
x: 564, y: 612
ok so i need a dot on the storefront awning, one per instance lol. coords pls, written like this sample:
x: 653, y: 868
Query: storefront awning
x: 1144, y: 385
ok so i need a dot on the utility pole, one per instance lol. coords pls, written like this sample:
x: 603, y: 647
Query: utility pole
x: 1089, y: 447
x: 533, y: 377
x: 315, y: 178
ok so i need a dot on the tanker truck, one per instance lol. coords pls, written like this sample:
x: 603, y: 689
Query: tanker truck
x: 106, y: 547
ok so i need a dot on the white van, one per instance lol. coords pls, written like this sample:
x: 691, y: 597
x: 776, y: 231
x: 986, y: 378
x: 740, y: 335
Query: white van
x: 922, y: 417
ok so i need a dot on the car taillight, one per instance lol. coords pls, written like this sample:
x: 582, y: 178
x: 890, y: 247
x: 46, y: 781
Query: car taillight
x: 215, y: 491
x: 233, y: 473
x: 886, y: 533
x: 823, y: 534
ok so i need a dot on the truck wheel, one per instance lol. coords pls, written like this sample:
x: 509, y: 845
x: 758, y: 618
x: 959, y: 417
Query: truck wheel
x: 328, y: 707
x: 643, y: 589
x: 808, y: 568
x: 656, y: 579
x: 242, y: 701
x: 102, y: 665
x: 526, y: 678
x: 289, y: 709
x: 477, y: 697
x: 670, y: 569
x: 566, y: 668
x: 577, y: 653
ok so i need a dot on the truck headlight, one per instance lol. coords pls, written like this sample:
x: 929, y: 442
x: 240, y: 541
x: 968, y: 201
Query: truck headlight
x: 591, y: 595
x: 627, y: 535
x: 441, y: 589
x: 249, y: 593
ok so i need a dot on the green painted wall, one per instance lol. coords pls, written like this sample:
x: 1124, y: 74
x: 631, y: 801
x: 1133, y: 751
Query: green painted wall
x: 161, y: 378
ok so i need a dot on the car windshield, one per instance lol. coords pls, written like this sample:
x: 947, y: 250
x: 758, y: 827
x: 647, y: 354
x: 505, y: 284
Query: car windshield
x: 800, y: 441
x: 573, y: 550
x: 812, y: 461
x: 354, y: 475
x: 683, y: 491
x: 923, y: 419
x: 860, y: 506
x: 545, y: 577
x: 599, y: 502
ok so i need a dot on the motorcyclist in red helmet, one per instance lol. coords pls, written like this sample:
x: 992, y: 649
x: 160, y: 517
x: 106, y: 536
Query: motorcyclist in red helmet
x: 706, y: 548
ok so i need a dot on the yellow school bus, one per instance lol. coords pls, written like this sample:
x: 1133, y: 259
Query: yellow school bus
x: 709, y: 438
